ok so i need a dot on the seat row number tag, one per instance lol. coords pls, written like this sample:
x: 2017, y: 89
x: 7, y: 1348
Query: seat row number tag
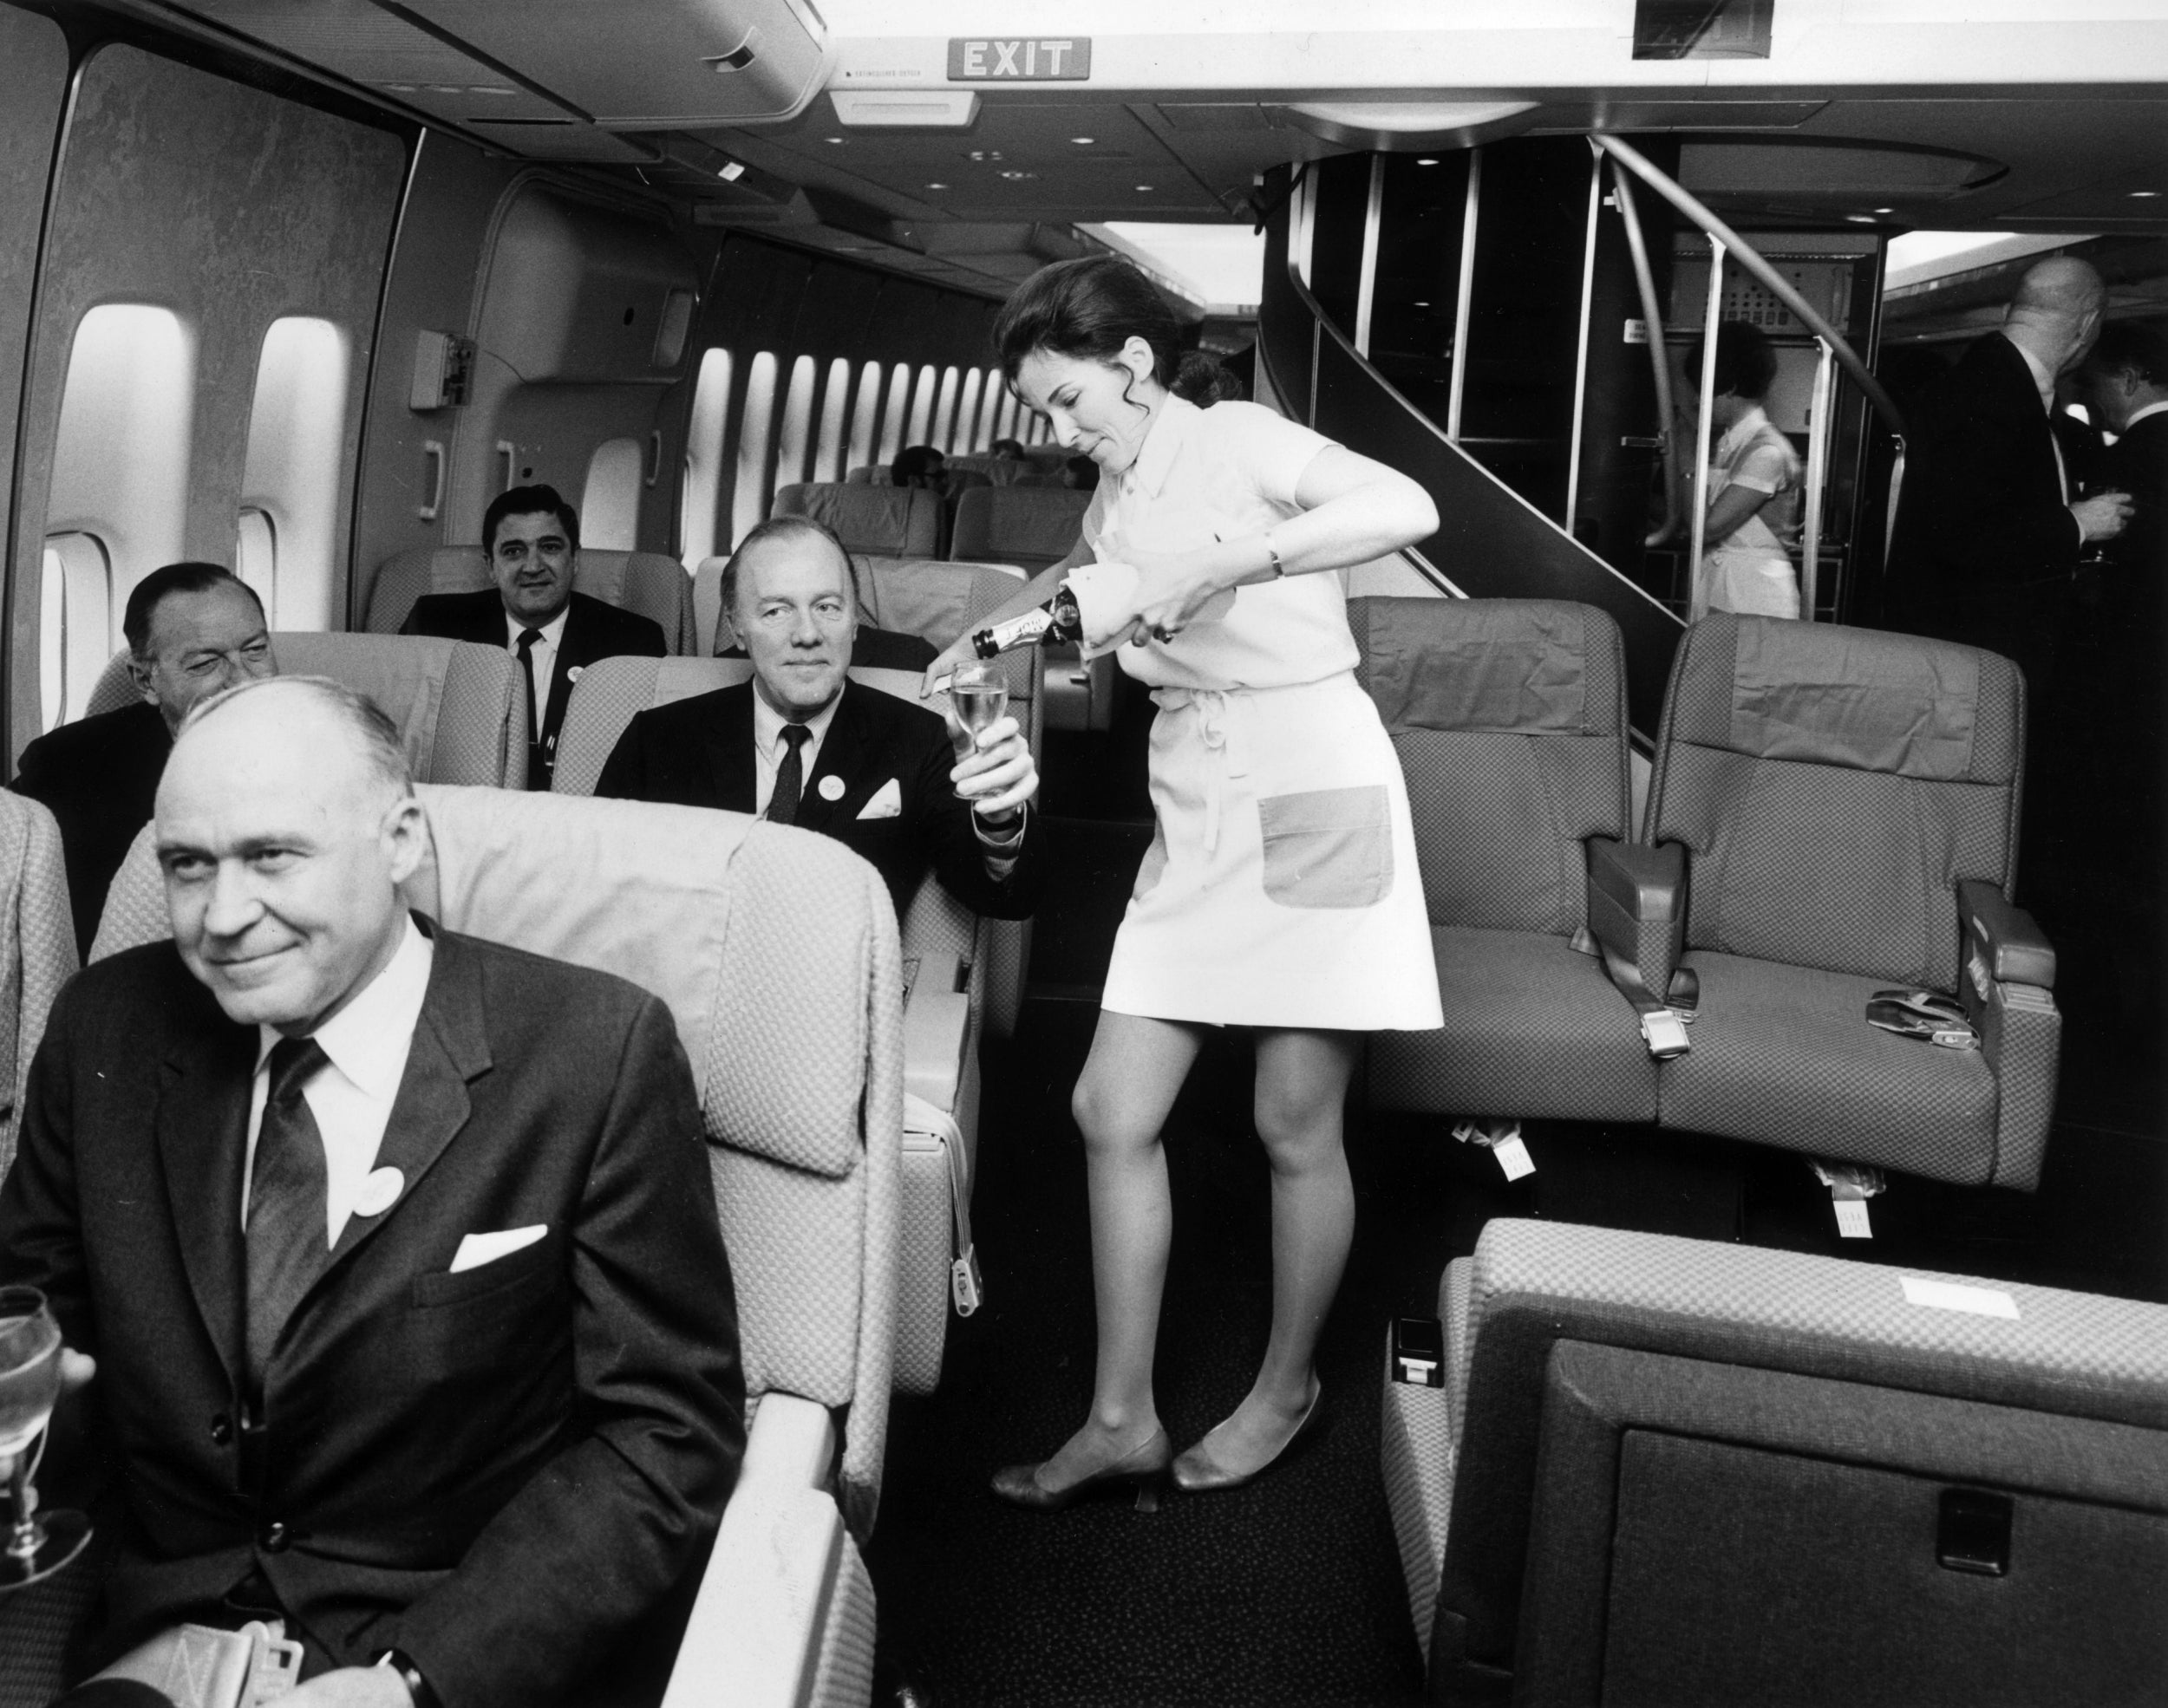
x: 1980, y: 1301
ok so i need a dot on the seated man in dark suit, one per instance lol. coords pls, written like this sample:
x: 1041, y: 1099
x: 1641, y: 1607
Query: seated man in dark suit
x: 532, y: 538
x: 394, y: 1249
x: 804, y: 744
x: 193, y: 630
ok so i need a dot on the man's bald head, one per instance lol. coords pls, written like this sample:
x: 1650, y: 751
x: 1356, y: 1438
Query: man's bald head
x: 285, y: 825
x: 2056, y: 312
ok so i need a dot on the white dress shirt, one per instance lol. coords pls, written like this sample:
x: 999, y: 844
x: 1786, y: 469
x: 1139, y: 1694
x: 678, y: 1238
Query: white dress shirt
x: 545, y: 654
x: 367, y: 1042
x: 768, y: 745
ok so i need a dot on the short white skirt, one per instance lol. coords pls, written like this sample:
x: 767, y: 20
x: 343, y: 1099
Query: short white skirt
x: 1282, y: 888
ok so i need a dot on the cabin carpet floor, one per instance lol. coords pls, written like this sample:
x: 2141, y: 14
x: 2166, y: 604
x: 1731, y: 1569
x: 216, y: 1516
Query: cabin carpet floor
x: 1290, y: 1591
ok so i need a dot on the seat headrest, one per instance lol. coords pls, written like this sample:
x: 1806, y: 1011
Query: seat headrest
x: 1019, y: 524
x: 885, y: 521
x: 935, y: 600
x: 1524, y: 666
x: 1822, y: 694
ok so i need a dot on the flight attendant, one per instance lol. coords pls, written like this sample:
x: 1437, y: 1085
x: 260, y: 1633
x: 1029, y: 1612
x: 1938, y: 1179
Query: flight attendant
x: 1281, y: 892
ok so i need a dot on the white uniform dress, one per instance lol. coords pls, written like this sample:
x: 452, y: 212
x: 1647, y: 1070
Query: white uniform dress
x: 1751, y: 573
x: 1282, y: 888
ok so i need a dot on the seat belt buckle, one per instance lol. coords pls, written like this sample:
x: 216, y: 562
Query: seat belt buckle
x: 1665, y: 1034
x: 964, y: 1286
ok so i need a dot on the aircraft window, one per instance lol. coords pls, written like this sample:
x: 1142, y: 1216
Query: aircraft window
x: 702, y: 493
x: 834, y: 412
x: 120, y: 456
x: 1005, y: 417
x: 941, y: 431
x: 922, y: 407
x: 898, y: 401
x: 256, y: 559
x: 297, y: 431
x: 75, y: 623
x: 978, y: 413
x: 609, y: 503
x: 798, y: 405
x: 748, y: 504
x: 866, y: 420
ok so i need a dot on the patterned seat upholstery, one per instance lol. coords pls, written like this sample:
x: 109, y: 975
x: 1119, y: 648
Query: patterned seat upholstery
x: 967, y: 974
x: 646, y: 582
x: 776, y: 951
x: 1509, y: 719
x: 37, y: 947
x: 1833, y: 787
x: 1028, y: 525
x: 461, y: 708
x: 1669, y: 1471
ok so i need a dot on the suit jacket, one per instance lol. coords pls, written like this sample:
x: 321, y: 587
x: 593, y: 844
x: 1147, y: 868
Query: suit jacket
x: 99, y: 777
x: 495, y: 1471
x: 592, y: 630
x: 1984, y: 546
x: 699, y: 753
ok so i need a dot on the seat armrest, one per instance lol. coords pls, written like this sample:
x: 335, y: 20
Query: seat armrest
x: 2010, y: 944
x: 937, y: 1034
x: 756, y: 1632
x: 1637, y: 907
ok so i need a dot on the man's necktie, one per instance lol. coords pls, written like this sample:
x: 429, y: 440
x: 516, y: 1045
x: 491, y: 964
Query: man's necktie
x: 286, y: 1230
x: 790, y: 776
x: 525, y: 643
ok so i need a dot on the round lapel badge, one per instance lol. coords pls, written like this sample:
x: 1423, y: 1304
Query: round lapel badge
x: 831, y: 787
x: 379, y: 1192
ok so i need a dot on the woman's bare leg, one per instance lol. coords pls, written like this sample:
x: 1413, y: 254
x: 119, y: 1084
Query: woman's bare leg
x: 1121, y: 1101
x: 1302, y: 1086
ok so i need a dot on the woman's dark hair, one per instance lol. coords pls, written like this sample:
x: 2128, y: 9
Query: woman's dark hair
x: 1746, y: 365
x: 1087, y: 309
x: 1203, y: 381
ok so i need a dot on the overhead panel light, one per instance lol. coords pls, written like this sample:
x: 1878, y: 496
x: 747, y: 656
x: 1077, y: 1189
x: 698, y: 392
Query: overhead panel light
x: 906, y: 109
x: 2144, y: 195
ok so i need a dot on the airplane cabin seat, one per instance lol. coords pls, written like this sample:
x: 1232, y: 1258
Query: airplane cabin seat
x: 1672, y: 1473
x: 1844, y: 802
x: 1509, y: 716
x: 649, y: 582
x: 998, y: 471
x: 776, y: 951
x: 37, y: 953
x: 462, y: 708
x: 957, y: 970
x: 873, y: 522
x: 1030, y: 526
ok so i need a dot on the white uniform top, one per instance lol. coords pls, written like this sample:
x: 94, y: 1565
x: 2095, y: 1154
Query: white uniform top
x: 1226, y: 473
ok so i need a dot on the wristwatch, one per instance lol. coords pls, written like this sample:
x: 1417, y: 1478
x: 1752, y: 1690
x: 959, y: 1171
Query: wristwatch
x: 410, y: 1675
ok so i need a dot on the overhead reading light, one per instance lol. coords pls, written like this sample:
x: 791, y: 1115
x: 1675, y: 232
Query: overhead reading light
x: 2144, y: 195
x: 738, y: 58
x: 1145, y: 188
x: 1885, y: 210
x: 1083, y: 141
x: 937, y: 186
x: 730, y: 171
x: 896, y: 109
x: 1427, y: 161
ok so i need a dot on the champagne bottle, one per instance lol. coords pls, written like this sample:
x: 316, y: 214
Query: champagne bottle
x: 1057, y: 620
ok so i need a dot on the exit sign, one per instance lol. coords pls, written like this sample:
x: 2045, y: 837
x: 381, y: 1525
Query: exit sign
x: 1028, y: 59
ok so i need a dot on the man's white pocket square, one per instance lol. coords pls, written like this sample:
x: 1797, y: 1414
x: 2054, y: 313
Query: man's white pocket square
x: 887, y: 802
x: 477, y: 1250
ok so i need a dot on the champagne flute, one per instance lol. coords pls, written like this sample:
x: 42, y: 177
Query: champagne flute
x: 979, y: 694
x: 35, y: 1547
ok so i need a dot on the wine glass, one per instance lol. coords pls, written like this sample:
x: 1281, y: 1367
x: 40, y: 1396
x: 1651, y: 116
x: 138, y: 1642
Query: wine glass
x: 35, y: 1547
x: 979, y: 694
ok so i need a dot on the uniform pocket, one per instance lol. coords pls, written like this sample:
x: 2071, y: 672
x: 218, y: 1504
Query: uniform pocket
x: 1328, y: 848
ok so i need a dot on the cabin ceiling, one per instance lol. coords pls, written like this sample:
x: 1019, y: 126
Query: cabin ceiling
x: 630, y: 88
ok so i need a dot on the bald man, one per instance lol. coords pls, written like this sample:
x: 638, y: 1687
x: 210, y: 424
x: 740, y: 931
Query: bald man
x: 395, y: 1250
x: 1989, y: 525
